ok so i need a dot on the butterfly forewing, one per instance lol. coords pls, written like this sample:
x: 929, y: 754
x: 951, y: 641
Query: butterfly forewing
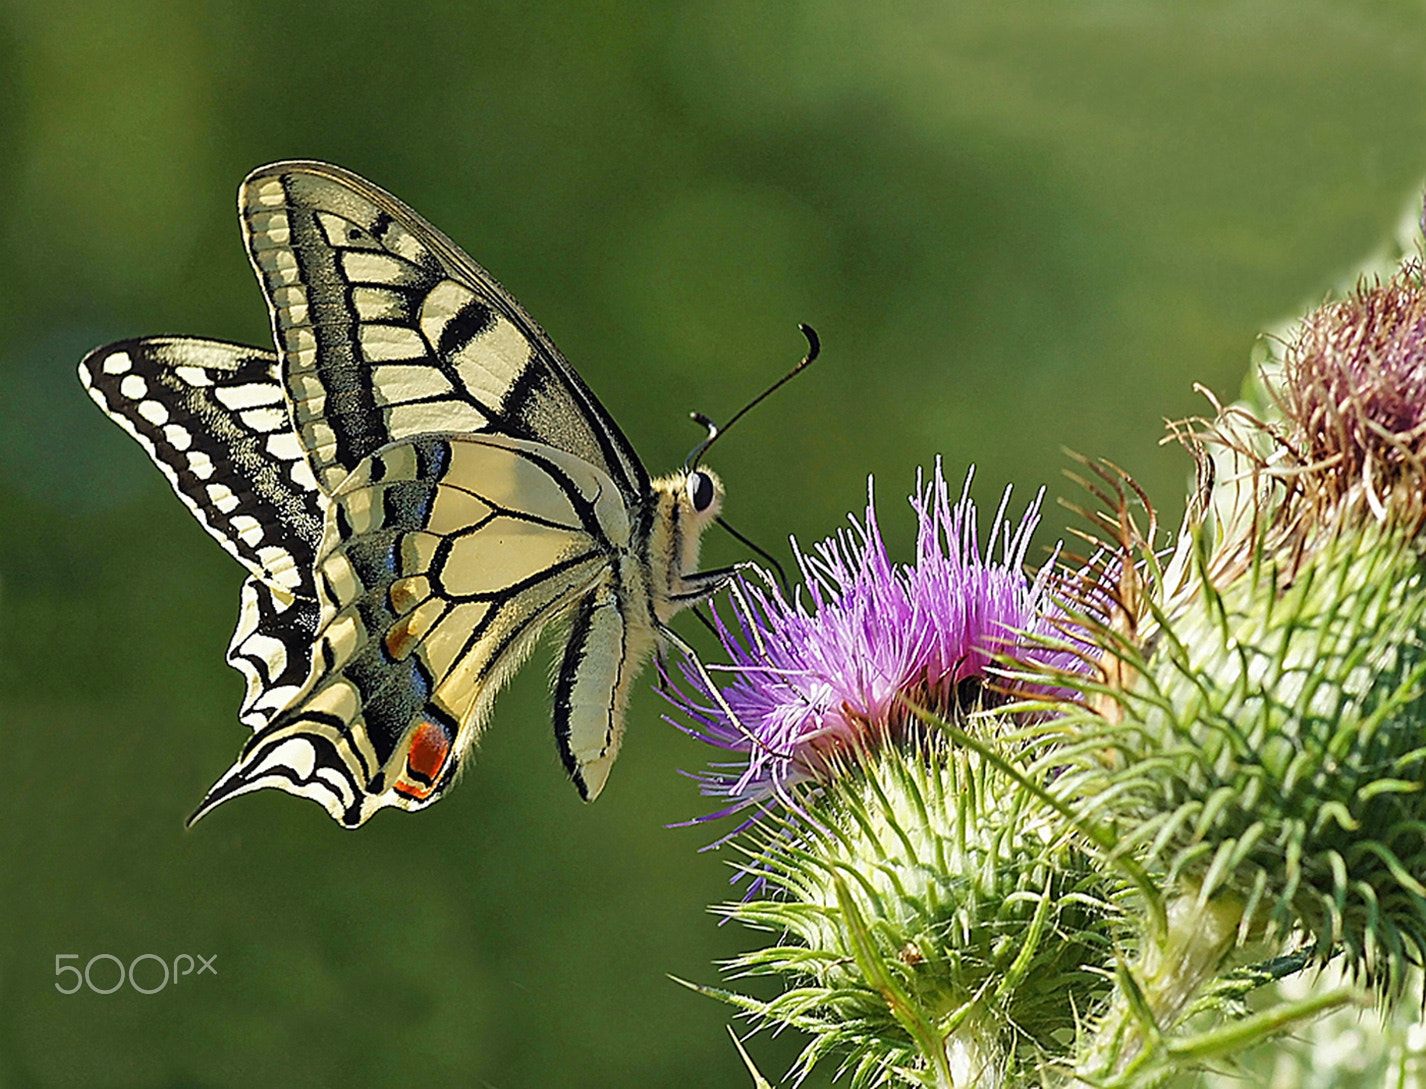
x: 444, y: 559
x: 212, y: 416
x: 387, y: 330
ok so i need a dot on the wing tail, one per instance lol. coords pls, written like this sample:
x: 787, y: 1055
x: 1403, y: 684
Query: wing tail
x: 300, y: 758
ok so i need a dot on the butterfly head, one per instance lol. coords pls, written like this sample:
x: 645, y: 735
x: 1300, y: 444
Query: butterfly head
x: 689, y: 502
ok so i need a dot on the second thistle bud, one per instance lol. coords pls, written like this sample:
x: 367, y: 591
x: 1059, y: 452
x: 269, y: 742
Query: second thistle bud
x: 1267, y: 753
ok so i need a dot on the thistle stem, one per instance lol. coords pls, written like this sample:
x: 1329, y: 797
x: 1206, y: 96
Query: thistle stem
x: 1154, y: 994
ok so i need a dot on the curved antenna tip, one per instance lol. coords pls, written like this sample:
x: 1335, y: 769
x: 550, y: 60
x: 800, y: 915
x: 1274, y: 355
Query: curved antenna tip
x: 691, y: 462
x: 814, y: 348
x: 814, y: 342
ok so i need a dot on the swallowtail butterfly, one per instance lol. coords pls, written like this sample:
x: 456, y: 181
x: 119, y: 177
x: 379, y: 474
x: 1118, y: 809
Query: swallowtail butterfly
x: 418, y: 484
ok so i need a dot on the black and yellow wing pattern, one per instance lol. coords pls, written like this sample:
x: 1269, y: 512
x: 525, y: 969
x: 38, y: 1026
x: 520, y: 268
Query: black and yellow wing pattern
x: 419, y: 484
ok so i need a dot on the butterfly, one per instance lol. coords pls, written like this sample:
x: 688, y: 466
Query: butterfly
x: 419, y: 485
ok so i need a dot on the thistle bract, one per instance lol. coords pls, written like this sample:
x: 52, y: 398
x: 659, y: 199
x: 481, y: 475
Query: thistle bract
x: 932, y: 929
x: 1272, y: 750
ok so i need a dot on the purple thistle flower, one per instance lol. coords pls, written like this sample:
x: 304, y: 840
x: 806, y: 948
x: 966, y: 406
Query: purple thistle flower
x: 822, y: 676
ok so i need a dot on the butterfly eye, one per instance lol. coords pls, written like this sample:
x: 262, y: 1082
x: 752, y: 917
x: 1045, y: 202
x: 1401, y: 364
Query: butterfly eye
x: 700, y: 490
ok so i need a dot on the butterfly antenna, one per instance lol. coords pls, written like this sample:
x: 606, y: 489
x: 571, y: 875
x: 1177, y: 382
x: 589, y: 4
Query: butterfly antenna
x: 764, y: 553
x: 814, y: 348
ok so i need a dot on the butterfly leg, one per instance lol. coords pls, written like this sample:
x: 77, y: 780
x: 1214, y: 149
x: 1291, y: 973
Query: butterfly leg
x: 701, y: 585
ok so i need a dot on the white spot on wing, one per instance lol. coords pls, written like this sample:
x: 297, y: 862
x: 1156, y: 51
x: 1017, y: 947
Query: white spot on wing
x: 193, y: 376
x: 304, y: 387
x: 267, y: 192
x: 280, y: 566
x: 279, y: 262
x: 177, y: 437
x: 247, y: 528
x: 298, y: 339
x: 134, y: 388
x: 222, y: 498
x: 200, y: 464
x: 250, y: 395
x: 118, y: 363
x: 290, y: 295
x: 301, y: 473
x: 319, y: 436
x: 270, y: 229
x: 284, y: 446
x: 264, y: 419
x: 153, y: 411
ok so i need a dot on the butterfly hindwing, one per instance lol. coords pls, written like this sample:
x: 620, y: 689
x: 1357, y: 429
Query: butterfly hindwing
x: 271, y: 648
x: 387, y: 330
x: 604, y: 650
x: 444, y: 558
x: 213, y: 417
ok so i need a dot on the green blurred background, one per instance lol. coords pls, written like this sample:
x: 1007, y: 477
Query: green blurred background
x: 1017, y: 226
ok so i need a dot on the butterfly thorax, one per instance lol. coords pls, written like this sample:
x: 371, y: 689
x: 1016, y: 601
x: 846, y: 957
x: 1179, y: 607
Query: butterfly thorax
x: 685, y: 504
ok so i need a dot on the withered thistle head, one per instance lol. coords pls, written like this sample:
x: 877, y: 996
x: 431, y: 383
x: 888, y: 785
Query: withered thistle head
x: 1353, y: 398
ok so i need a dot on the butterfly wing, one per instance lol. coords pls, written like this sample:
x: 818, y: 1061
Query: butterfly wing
x: 393, y: 346
x: 443, y: 559
x: 387, y: 331
x: 213, y: 418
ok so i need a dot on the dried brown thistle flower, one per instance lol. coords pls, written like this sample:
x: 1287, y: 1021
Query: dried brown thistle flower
x: 1353, y: 398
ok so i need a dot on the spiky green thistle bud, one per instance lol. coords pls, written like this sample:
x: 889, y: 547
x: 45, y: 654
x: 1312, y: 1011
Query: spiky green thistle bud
x: 1258, y: 732
x: 933, y: 930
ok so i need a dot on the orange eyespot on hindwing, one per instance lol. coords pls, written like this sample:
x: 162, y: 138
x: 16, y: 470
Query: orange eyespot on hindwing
x: 426, y: 759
